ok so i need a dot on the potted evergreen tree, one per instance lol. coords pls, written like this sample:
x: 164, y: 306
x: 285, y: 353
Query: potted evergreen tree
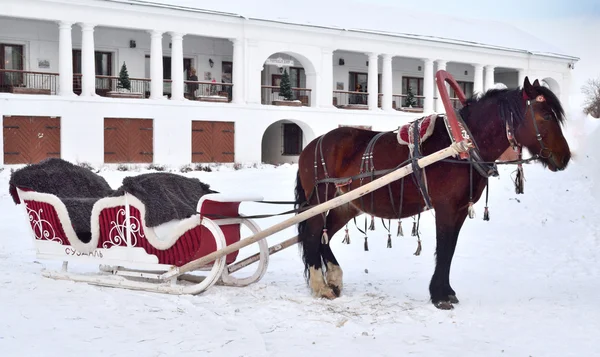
x: 285, y: 91
x: 124, y: 86
x: 410, y: 98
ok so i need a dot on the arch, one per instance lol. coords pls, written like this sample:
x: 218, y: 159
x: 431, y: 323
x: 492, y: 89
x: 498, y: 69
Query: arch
x: 551, y: 84
x: 272, y: 144
x: 309, y: 76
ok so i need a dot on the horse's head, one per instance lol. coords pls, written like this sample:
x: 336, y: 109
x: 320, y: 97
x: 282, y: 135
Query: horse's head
x: 540, y: 131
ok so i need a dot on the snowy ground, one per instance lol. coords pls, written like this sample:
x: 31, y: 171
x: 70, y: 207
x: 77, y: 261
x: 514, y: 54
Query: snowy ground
x: 527, y: 280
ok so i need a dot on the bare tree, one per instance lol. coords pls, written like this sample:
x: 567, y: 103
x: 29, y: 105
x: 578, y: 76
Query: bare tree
x: 592, y: 101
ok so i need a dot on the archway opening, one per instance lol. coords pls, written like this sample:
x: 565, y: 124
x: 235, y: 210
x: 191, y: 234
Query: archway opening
x: 301, y: 77
x: 284, y: 140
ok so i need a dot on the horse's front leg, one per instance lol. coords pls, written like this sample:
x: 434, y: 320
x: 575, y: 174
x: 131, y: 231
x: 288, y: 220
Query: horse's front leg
x: 448, y: 224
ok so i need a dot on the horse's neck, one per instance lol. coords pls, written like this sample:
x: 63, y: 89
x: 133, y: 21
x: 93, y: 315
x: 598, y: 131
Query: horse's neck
x: 489, y: 132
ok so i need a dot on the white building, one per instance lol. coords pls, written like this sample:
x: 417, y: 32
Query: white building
x: 60, y: 62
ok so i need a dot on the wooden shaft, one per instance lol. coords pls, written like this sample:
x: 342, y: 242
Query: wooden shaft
x: 256, y: 257
x: 452, y: 150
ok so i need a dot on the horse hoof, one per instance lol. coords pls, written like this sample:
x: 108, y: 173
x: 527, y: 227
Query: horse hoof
x: 443, y: 305
x: 453, y: 299
x: 327, y: 293
x: 336, y: 290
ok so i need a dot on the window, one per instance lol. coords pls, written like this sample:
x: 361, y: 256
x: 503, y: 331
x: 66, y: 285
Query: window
x: 11, y: 58
x: 226, y: 72
x: 358, y: 82
x: 292, y: 139
x: 297, y: 77
x: 467, y: 88
x: 416, y: 85
x: 103, y: 63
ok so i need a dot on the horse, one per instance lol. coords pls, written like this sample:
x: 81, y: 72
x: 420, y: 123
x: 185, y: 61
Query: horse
x: 530, y: 116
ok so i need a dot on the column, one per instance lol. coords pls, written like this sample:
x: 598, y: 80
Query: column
x: 156, y: 65
x: 88, y: 68
x: 427, y: 86
x: 439, y: 105
x: 326, y: 88
x: 477, y: 79
x: 237, y: 77
x: 372, y: 81
x: 176, y: 66
x: 521, y: 77
x: 65, y: 59
x: 386, y: 83
x: 254, y: 65
x: 489, y: 77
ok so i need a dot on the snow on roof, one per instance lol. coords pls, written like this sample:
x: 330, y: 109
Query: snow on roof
x: 361, y: 17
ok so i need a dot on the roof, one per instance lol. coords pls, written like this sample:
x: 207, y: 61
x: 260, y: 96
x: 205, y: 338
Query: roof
x: 376, y: 19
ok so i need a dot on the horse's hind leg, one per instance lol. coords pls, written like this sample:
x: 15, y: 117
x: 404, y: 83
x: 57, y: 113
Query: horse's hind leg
x: 336, y: 219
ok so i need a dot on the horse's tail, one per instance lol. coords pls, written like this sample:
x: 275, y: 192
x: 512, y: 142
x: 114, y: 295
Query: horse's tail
x: 300, y: 202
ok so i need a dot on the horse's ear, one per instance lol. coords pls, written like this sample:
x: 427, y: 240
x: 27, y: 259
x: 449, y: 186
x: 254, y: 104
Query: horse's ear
x: 536, y: 83
x: 528, y: 90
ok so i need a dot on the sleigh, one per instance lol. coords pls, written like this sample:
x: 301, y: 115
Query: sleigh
x: 135, y: 256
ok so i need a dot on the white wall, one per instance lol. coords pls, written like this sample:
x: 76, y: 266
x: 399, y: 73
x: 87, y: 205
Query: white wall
x: 40, y: 39
x: 207, y: 37
x: 82, y: 123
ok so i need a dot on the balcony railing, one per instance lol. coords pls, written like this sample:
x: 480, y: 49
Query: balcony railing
x: 350, y: 100
x: 27, y: 82
x: 208, y: 91
x: 399, y: 102
x: 270, y: 96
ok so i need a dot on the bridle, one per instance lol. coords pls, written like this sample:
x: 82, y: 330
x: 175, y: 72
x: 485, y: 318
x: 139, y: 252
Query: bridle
x: 545, y: 153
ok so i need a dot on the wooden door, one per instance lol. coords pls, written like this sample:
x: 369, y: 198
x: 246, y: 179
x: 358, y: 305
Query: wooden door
x: 128, y: 140
x: 213, y: 141
x: 30, y: 139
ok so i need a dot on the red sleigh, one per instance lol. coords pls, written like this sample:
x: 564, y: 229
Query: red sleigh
x: 135, y: 256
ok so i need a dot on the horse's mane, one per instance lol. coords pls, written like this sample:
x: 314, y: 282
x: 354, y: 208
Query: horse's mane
x: 511, y: 100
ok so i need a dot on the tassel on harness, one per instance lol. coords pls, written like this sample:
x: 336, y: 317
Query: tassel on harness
x: 346, y: 239
x: 520, y: 180
x: 414, y: 229
x: 372, y: 225
x: 471, y: 210
x: 366, y: 244
x: 324, y: 237
x: 400, y: 232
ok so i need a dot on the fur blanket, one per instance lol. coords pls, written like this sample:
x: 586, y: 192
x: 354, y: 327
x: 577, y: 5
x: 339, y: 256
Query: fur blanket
x: 166, y: 196
x: 77, y: 187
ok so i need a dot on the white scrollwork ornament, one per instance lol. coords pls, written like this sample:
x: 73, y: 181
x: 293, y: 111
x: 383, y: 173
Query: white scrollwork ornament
x: 42, y: 229
x: 118, y: 233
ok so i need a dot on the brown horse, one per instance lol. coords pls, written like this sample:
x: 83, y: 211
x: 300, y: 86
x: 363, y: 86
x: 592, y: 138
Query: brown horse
x: 530, y: 117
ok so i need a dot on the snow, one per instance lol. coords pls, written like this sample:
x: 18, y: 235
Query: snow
x: 376, y: 18
x: 527, y: 281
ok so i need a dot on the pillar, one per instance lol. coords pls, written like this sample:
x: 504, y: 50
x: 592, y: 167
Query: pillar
x: 386, y: 83
x: 372, y: 81
x: 65, y: 59
x: 177, y: 83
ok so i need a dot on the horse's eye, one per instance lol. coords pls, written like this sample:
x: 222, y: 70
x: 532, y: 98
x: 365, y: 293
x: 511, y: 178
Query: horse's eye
x: 548, y: 117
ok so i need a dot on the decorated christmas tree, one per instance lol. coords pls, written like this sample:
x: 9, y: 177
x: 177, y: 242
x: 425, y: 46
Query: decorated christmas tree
x: 124, y: 82
x: 410, y: 98
x: 285, y: 87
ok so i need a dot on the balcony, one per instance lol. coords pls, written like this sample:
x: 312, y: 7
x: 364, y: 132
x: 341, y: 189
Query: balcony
x: 27, y: 82
x: 270, y: 96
